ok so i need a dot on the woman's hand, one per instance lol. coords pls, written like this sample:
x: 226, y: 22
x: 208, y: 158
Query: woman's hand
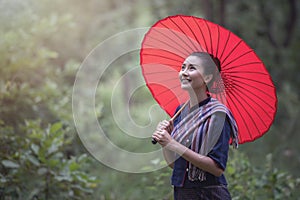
x: 162, y: 132
x: 165, y: 125
x: 162, y: 137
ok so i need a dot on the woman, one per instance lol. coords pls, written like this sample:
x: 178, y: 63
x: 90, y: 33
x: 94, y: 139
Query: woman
x: 196, y: 143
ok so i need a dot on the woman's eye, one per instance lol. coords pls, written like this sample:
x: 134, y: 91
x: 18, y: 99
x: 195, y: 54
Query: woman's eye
x: 192, y: 67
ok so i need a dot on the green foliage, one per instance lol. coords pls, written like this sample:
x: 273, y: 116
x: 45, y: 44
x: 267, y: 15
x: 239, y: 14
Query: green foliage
x: 245, y: 182
x: 40, y: 168
x: 124, y: 186
x: 248, y: 182
x: 41, y: 46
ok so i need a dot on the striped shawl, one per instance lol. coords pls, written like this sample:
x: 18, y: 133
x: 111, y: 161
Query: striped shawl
x: 207, y: 122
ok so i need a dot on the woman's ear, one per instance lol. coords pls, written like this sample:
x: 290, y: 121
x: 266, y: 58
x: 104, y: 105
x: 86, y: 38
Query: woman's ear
x: 208, y: 78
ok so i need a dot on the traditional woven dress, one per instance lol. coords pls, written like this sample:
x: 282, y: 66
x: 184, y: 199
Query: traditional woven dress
x: 205, y: 129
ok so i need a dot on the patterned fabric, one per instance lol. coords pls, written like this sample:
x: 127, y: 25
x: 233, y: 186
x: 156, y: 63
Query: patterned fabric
x: 204, y: 121
x: 218, y: 192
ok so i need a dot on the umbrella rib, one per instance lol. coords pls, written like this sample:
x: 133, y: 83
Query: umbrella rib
x: 210, y: 38
x: 190, y: 30
x: 217, y: 49
x: 224, y: 47
x: 157, y: 72
x: 261, y: 99
x: 242, y: 92
x: 248, y: 72
x: 169, y: 37
x: 174, y: 98
x: 149, y: 54
x: 166, y: 80
x: 201, y: 49
x: 220, y: 96
x: 237, y: 57
x: 169, y: 102
x: 256, y: 81
x: 166, y: 90
x: 171, y: 46
x: 241, y: 65
x: 250, y: 116
x: 202, y: 35
x: 246, y: 125
x: 259, y: 116
x: 176, y: 34
x: 267, y: 94
x: 232, y: 50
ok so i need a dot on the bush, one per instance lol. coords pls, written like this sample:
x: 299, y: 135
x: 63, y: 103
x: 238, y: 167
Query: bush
x: 267, y: 182
x: 35, y: 166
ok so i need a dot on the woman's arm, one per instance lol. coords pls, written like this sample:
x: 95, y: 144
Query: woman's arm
x: 170, y: 145
x: 166, y: 126
x: 169, y: 157
x: 203, y: 162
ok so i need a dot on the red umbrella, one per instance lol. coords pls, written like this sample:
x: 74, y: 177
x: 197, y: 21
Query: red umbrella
x: 245, y: 86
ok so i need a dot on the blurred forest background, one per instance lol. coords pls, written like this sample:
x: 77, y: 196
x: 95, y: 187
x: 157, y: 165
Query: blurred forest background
x: 43, y: 43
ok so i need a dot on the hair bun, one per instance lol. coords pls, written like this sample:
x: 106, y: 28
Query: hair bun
x: 216, y: 61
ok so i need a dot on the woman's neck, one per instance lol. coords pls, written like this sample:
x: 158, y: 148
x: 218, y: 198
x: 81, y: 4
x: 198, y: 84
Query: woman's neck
x: 197, y: 97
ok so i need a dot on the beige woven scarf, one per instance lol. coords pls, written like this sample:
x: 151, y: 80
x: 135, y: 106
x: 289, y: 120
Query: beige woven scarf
x: 206, y: 122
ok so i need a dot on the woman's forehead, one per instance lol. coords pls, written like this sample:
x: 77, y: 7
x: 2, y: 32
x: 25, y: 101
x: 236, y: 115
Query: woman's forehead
x: 193, y: 60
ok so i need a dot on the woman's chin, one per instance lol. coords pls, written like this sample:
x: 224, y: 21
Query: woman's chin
x: 186, y: 87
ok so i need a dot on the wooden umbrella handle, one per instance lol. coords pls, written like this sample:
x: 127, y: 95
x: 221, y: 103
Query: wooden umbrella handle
x: 179, y: 111
x: 174, y: 117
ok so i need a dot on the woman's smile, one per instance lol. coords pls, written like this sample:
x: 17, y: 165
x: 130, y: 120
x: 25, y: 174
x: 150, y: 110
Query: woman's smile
x: 191, y: 74
x: 185, y: 80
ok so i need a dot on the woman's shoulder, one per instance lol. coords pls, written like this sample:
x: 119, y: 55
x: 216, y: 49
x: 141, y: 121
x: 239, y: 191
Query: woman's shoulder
x: 216, y: 105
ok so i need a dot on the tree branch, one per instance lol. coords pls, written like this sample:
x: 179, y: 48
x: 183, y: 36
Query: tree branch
x: 290, y: 22
x: 268, y: 22
x: 222, y: 12
x: 208, y: 6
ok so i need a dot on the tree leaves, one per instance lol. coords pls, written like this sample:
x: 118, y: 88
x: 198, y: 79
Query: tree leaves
x: 45, y: 164
x: 10, y: 164
x: 42, y: 45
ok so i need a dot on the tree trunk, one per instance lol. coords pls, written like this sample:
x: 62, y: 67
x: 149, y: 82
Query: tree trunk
x: 222, y: 13
x: 208, y: 12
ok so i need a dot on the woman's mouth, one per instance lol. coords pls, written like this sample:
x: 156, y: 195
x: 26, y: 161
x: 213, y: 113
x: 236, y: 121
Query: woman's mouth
x: 185, y: 80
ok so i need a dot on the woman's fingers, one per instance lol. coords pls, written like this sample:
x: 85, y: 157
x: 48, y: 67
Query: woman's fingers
x: 163, y: 131
x: 168, y: 125
x: 157, y: 135
x: 165, y: 125
x: 161, y: 126
x: 161, y: 136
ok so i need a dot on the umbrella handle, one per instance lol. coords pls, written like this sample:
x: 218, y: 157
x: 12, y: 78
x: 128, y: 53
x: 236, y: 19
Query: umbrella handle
x: 179, y: 111
x: 174, y: 117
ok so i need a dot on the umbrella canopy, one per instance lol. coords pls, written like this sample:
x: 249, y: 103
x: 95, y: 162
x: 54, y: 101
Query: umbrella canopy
x: 244, y: 86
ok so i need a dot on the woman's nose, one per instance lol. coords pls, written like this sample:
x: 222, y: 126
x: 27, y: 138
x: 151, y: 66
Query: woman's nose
x: 184, y: 72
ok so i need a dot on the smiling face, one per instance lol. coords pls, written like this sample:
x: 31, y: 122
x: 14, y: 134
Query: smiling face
x: 192, y: 75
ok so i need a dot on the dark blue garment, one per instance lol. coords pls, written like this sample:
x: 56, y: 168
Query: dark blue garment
x: 215, y: 192
x: 219, y: 154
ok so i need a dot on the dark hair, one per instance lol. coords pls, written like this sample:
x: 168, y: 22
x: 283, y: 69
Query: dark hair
x: 211, y: 64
